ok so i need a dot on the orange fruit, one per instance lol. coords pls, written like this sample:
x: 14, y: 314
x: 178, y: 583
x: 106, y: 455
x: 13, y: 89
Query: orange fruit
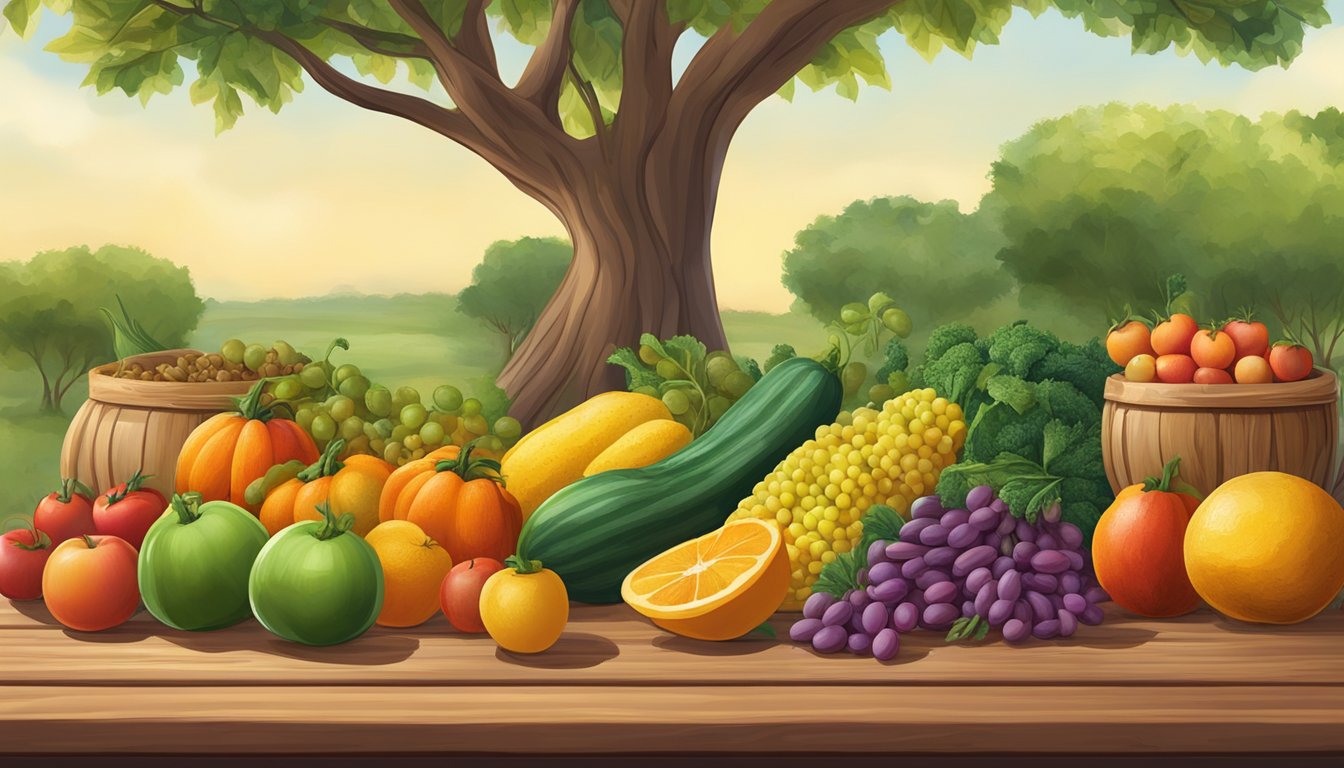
x: 717, y: 587
x: 414, y: 567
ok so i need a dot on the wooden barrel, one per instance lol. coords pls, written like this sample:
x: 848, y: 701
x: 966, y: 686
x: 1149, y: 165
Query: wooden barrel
x: 1221, y: 431
x: 127, y: 424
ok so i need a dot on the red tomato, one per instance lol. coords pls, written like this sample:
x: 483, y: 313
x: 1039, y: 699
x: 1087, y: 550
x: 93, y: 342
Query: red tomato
x: 1128, y: 341
x: 66, y: 514
x: 1212, y: 376
x: 460, y: 594
x: 1253, y: 369
x: 23, y: 555
x: 1138, y: 548
x: 1250, y: 338
x: 127, y: 510
x: 1213, y: 349
x: 90, y: 583
x: 1291, y: 362
x: 1173, y: 337
x: 1176, y: 369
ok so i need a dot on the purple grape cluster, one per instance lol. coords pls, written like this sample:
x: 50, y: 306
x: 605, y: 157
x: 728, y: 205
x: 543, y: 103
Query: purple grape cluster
x: 953, y: 566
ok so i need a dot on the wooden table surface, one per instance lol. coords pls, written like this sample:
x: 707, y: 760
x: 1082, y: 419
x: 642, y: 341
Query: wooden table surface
x: 615, y: 684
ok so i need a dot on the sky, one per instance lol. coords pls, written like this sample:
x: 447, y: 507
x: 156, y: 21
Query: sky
x: 325, y: 196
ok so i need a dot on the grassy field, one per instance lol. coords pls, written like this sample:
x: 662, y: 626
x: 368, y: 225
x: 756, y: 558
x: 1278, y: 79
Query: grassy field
x: 420, y: 341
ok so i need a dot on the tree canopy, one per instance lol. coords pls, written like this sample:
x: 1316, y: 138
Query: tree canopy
x: 50, y: 318
x: 512, y: 284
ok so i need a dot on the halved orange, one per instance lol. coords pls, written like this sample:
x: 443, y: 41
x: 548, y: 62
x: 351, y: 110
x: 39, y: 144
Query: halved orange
x: 717, y: 587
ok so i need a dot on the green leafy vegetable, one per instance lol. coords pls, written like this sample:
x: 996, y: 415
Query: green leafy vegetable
x: 842, y: 574
x: 129, y: 337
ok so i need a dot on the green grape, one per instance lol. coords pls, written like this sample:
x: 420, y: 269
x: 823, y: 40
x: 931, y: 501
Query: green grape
x: 899, y: 381
x: 432, y: 433
x: 344, y: 372
x: 648, y: 355
x: 378, y: 400
x: 854, y: 313
x: 719, y: 368
x: 399, y: 433
x: 285, y: 353
x: 406, y: 395
x: 341, y: 407
x: 254, y: 356
x: 371, y: 431
x: 304, y: 418
x: 476, y: 425
x: 418, y: 453
x: 669, y: 369
x: 737, y: 384
x: 232, y: 350
x: 323, y: 427
x: 352, y: 428
x: 677, y: 402
x: 880, y: 393
x: 354, y: 387
x: 313, y: 376
x: 853, y: 376
x: 392, y: 452
x: 413, y: 441
x: 376, y: 445
x: 491, y: 443
x: 471, y: 407
x: 718, y: 405
x: 877, y: 301
x: 288, y: 388
x: 897, y: 321
x: 414, y: 415
x: 650, y: 391
x: 508, y: 428
x: 447, y: 398
x: 384, y: 427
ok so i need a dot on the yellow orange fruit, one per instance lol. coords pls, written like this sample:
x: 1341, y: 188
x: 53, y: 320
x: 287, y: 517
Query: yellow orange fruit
x: 717, y: 587
x: 1265, y: 548
x: 524, y: 607
x: 414, y: 566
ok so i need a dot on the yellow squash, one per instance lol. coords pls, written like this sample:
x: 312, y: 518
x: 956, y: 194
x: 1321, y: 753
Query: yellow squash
x: 649, y: 443
x: 556, y: 454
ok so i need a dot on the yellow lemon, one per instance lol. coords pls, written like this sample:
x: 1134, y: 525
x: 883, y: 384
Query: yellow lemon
x: 1267, y: 547
x: 414, y: 567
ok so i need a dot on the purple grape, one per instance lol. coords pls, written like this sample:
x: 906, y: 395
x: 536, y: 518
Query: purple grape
x: 1000, y: 506
x: 1046, y: 629
x: 1070, y: 583
x: 1092, y: 616
x: 1010, y: 586
x: 877, y: 552
x: 963, y: 536
x: 1050, y: 561
x: 1007, y: 544
x: 891, y: 590
x: 933, y: 536
x: 973, y: 558
x: 1096, y: 595
x: 984, y: 519
x: 1070, y: 535
x: 1002, y: 565
x: 967, y: 609
x: 1041, y: 609
x: 1052, y: 513
x: 977, y: 579
x: 940, y: 615
x: 985, y: 598
x: 837, y: 614
x: 830, y: 639
x: 926, y: 507
x: 911, y: 530
x: 855, y: 623
x: 954, y: 517
x: 816, y: 604
x: 1007, y: 524
x: 1025, y: 531
x: 875, y: 617
x: 941, y: 557
x: 930, y: 577
x: 859, y: 598
x: 1075, y: 559
x: 1014, y: 630
x: 993, y: 539
x: 942, y: 592
x: 859, y: 643
x: 1046, y: 541
x: 1056, y: 601
x: 883, y: 572
x: 979, y: 496
x: 904, y: 550
x: 917, y: 597
x: 1068, y: 623
x: 1075, y: 603
x: 905, y: 617
x: 1041, y: 582
x: 886, y: 644
x: 1023, y: 553
x: 912, y: 568
x: 999, y: 612
x: 862, y: 576
x: 804, y: 630
x: 1022, y: 611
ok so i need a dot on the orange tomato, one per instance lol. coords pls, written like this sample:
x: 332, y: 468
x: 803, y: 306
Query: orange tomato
x: 1173, y: 337
x: 1253, y: 369
x: 1127, y: 341
x: 1290, y: 362
x: 90, y: 583
x: 1212, y: 376
x: 1176, y: 369
x: 1213, y: 349
x: 1250, y: 338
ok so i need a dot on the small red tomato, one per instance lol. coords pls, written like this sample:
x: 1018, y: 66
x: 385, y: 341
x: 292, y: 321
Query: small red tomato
x: 90, y: 583
x: 23, y: 555
x: 460, y: 594
x: 1291, y: 362
x: 1176, y: 369
x: 1250, y: 338
x: 128, y: 510
x: 1173, y: 336
x: 1253, y: 369
x: 66, y: 514
x: 1127, y: 341
x: 1213, y: 349
x: 1212, y: 376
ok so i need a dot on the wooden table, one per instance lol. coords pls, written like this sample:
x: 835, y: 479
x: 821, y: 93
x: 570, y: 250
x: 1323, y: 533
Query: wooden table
x: 615, y: 684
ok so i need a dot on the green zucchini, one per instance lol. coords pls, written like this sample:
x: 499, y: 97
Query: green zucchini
x: 596, y: 531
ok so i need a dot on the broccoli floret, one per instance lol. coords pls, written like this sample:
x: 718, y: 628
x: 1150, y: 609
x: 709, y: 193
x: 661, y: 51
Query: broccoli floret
x: 945, y: 337
x: 1018, y: 347
x: 953, y: 374
x: 779, y: 354
x: 1086, y: 367
x: 953, y: 488
x: 897, y: 358
x: 1000, y: 429
x: 1074, y: 451
x: 750, y: 366
x: 1061, y: 400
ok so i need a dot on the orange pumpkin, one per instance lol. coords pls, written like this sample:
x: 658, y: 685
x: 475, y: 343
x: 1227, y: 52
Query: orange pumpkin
x: 289, y: 493
x: 458, y: 498
x: 228, y: 451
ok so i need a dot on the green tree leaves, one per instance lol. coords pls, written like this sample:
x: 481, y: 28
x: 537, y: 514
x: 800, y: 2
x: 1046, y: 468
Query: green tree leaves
x: 512, y: 283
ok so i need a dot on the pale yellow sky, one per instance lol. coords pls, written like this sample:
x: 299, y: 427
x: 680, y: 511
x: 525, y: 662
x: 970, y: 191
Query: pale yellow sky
x: 325, y: 196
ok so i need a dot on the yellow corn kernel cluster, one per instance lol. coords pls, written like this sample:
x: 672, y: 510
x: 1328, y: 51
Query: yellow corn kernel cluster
x: 820, y: 492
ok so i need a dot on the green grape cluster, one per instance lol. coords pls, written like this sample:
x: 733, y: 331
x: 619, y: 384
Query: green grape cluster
x: 697, y: 387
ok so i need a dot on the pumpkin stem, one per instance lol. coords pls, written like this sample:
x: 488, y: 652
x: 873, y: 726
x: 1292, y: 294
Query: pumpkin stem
x: 522, y: 565
x: 187, y: 506
x: 71, y: 486
x: 136, y: 482
x: 327, y: 464
x: 40, y: 538
x: 333, y: 526
x: 1169, y: 472
x: 471, y: 468
x: 249, y: 406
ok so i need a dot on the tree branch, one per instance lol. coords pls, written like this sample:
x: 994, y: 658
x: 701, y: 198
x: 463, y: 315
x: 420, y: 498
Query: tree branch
x: 545, y: 72
x: 647, y: 41
x: 473, y: 39
x: 590, y: 101
x: 378, y: 40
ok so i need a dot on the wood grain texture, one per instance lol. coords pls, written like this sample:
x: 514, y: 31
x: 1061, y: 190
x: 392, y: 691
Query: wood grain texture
x: 1319, y: 388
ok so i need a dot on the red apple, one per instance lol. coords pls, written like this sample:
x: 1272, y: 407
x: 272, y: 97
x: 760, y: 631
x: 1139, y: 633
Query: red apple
x: 23, y: 555
x: 460, y: 594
